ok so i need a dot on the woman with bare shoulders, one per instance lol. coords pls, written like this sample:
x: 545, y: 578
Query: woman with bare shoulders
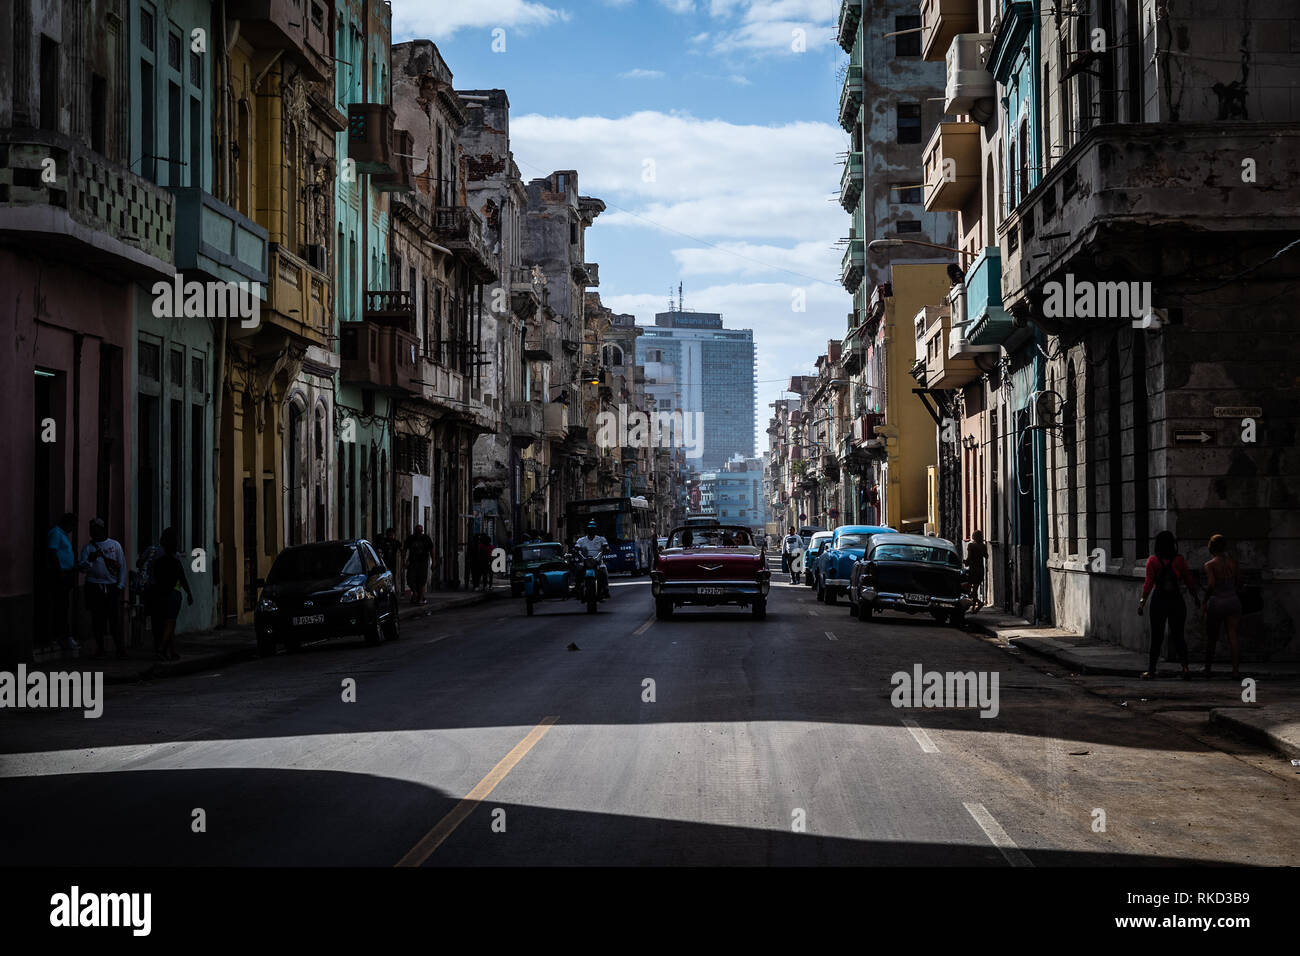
x: 1222, y: 607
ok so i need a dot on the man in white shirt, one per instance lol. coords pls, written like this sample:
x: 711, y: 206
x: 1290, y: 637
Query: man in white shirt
x: 595, y: 546
x: 790, y: 547
x: 104, y: 564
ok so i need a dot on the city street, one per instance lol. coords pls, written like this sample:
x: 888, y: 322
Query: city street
x: 480, y: 738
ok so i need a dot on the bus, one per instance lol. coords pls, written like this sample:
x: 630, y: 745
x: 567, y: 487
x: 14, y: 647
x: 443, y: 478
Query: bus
x: 626, y: 523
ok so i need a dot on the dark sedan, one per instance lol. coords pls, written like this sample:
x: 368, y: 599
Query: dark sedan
x: 326, y: 589
x: 912, y: 573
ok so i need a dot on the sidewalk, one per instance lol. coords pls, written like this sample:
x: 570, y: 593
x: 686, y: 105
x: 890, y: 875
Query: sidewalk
x: 1275, y: 724
x: 208, y: 650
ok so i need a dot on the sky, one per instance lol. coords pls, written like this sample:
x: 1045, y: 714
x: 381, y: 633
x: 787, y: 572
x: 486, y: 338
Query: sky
x: 712, y: 140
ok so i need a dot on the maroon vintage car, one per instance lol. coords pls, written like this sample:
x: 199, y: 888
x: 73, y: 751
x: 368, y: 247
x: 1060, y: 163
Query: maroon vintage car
x: 707, y: 566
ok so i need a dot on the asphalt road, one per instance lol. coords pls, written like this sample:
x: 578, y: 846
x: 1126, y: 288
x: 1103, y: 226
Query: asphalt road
x: 480, y: 739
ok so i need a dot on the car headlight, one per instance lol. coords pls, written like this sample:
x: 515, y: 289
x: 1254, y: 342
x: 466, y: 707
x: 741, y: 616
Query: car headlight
x: 266, y: 604
x: 352, y: 595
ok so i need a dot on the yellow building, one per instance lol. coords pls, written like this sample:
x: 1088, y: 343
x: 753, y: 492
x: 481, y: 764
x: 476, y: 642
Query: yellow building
x: 909, y: 430
x: 276, y: 150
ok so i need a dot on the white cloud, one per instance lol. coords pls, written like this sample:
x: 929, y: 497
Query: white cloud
x: 770, y: 25
x: 817, y: 258
x: 679, y: 6
x: 711, y: 178
x: 440, y: 19
x: 640, y: 74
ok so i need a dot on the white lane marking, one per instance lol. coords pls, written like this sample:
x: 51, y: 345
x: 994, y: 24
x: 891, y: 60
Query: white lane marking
x: 814, y: 612
x: 644, y: 627
x: 440, y: 637
x: 921, y: 737
x: 997, y: 836
x: 830, y: 636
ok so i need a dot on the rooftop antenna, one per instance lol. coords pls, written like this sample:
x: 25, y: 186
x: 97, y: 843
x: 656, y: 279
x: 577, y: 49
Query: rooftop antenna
x: 679, y: 296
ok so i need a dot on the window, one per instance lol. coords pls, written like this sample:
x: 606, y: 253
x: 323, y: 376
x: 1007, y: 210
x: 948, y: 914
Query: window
x: 150, y: 361
x: 98, y: 113
x: 907, y: 44
x: 196, y: 143
x: 197, y: 380
x: 173, y: 134
x: 148, y: 165
x: 174, y: 50
x: 196, y: 70
x: 49, y: 84
x: 909, y: 122
x: 908, y: 226
x: 197, y: 468
x: 146, y: 27
x: 911, y: 195
x: 176, y: 366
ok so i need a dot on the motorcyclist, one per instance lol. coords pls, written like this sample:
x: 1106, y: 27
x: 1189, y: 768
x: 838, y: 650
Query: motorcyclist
x: 593, y: 545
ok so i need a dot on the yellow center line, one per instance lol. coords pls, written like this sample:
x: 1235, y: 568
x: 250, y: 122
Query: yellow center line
x: 444, y: 827
x: 645, y: 626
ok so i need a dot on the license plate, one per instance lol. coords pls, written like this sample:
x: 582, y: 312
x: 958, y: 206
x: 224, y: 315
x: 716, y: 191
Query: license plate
x: 710, y: 590
x: 309, y: 619
x: 916, y: 598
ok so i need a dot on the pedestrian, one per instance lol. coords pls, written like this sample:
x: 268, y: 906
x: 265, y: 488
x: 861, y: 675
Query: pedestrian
x: 104, y: 564
x: 1165, y: 570
x: 474, y: 561
x: 485, y: 560
x: 417, y: 551
x: 791, y: 544
x: 61, y: 571
x: 1222, y: 605
x: 977, y: 555
x: 167, y: 580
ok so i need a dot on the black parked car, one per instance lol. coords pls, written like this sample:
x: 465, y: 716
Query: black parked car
x: 327, y: 589
x: 912, y: 573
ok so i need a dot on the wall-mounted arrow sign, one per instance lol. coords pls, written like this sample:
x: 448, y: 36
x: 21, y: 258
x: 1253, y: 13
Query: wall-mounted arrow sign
x: 1190, y: 436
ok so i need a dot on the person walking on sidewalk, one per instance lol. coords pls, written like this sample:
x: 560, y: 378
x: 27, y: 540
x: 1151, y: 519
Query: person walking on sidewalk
x: 104, y: 564
x: 417, y: 550
x: 1222, y: 605
x: 390, y: 548
x: 977, y: 555
x: 1165, y: 570
x: 166, y: 582
x: 485, y: 560
x: 61, y: 571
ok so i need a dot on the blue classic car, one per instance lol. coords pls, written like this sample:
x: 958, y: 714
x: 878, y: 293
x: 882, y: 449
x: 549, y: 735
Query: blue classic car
x: 835, y: 564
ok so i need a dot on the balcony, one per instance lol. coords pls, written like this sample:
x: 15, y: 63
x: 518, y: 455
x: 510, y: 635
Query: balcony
x: 96, y: 213
x: 968, y: 76
x: 216, y: 241
x: 370, y: 138
x: 851, y: 182
x: 283, y: 25
x: 402, y: 179
x: 593, y: 274
x: 853, y: 264
x: 461, y: 230
x: 941, y: 20
x: 382, y: 358
x: 540, y: 344
x: 851, y: 97
x: 297, y: 299
x: 555, y: 421
x: 847, y: 30
x: 952, y: 166
x: 390, y: 307
x: 525, y: 292
x: 1129, y: 190
x: 526, y: 421
x: 942, y: 369
x: 989, y: 322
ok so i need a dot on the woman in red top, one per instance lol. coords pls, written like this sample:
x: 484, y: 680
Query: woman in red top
x: 1166, y: 569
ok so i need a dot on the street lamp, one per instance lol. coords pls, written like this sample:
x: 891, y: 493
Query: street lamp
x: 893, y: 243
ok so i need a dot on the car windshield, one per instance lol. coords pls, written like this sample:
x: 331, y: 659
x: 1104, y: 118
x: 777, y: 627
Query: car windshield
x: 916, y: 552
x: 852, y: 541
x: 540, y: 552
x: 710, y: 538
x: 315, y: 563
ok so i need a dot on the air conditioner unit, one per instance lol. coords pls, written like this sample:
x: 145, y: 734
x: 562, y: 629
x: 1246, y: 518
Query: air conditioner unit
x: 968, y: 77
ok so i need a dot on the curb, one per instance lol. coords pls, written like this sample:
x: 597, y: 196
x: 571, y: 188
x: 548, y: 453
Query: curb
x: 1259, y: 731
